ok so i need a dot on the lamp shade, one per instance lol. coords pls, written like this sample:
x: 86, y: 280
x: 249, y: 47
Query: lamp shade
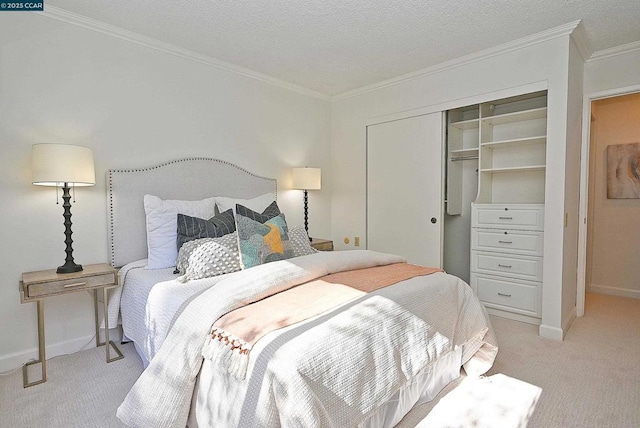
x: 56, y: 164
x: 307, y: 178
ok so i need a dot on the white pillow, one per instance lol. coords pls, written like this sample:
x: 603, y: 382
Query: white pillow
x: 162, y: 226
x: 257, y: 204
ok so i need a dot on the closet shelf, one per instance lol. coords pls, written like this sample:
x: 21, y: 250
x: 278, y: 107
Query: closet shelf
x: 542, y: 139
x: 519, y: 116
x: 514, y: 169
x: 466, y: 124
x: 464, y: 152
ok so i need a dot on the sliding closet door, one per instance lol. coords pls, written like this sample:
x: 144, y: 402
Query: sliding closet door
x: 404, y: 188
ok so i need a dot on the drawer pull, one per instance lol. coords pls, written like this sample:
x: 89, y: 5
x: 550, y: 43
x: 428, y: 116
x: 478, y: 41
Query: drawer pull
x: 506, y: 242
x: 75, y: 284
x: 504, y: 295
x: 505, y: 218
x: 504, y: 266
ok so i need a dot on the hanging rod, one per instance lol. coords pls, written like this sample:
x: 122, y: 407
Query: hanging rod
x: 463, y: 158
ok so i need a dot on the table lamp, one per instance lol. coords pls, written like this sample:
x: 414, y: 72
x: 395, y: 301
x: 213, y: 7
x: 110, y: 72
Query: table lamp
x: 307, y: 179
x: 66, y: 166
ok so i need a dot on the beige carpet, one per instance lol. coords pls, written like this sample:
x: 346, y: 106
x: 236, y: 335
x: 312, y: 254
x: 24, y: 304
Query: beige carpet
x: 592, y: 379
x: 82, y: 390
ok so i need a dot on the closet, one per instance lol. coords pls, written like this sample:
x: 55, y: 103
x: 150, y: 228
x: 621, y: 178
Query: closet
x: 465, y: 189
x: 495, y: 187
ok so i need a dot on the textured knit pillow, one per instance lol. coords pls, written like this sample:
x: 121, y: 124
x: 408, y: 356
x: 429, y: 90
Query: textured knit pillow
x: 300, y: 242
x: 270, y: 212
x: 261, y: 243
x: 207, y: 257
x: 190, y: 228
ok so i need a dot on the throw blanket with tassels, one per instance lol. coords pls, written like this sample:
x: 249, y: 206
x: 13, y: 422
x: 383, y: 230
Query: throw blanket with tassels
x: 234, y: 334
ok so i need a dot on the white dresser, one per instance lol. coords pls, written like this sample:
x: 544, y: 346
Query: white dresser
x: 507, y: 259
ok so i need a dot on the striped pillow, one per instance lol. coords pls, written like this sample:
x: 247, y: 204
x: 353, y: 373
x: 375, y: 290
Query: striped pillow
x: 270, y: 212
x: 190, y: 228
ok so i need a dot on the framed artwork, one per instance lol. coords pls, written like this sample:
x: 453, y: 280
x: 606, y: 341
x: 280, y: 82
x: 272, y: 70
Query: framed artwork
x: 623, y: 171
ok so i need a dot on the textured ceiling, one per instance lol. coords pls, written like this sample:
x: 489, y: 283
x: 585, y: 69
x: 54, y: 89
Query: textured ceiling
x: 334, y: 46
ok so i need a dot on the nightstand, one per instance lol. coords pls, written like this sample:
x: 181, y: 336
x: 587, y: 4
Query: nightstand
x: 322, y: 244
x: 35, y: 286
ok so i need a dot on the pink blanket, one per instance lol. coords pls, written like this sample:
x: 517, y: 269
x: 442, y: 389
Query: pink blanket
x: 235, y: 333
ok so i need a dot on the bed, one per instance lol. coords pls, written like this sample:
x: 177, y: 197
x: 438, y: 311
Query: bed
x: 364, y: 360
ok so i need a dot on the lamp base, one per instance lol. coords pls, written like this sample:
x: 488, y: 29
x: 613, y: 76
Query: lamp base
x: 69, y: 265
x: 69, y: 268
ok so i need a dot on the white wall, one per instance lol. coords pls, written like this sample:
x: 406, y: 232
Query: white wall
x: 611, y: 72
x: 546, y: 62
x: 134, y: 106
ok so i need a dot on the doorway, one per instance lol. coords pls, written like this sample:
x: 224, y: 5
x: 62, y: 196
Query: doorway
x: 608, y: 240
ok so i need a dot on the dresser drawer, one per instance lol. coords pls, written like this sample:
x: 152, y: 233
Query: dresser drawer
x: 502, y: 293
x: 507, y: 241
x: 520, y: 217
x: 37, y: 289
x: 523, y: 267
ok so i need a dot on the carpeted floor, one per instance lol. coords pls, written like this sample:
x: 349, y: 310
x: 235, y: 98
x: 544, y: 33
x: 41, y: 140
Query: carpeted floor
x: 592, y: 379
x: 82, y: 390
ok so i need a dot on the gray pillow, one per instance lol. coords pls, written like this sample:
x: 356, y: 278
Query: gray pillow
x: 300, y: 241
x: 270, y: 212
x: 207, y: 257
x: 190, y: 228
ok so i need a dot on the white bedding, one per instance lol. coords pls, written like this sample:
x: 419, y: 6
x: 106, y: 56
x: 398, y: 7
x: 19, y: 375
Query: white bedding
x: 350, y: 380
x: 149, y: 301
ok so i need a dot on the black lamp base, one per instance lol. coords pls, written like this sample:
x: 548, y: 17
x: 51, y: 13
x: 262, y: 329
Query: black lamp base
x: 306, y: 214
x: 69, y: 268
x: 70, y: 265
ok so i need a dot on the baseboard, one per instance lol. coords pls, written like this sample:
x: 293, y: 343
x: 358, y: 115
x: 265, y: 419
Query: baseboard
x: 556, y: 333
x: 567, y: 324
x: 513, y: 316
x: 17, y: 359
x: 614, y: 291
x: 553, y: 333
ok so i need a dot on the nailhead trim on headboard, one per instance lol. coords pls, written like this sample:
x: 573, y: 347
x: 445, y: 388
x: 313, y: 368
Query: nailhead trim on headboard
x: 136, y: 170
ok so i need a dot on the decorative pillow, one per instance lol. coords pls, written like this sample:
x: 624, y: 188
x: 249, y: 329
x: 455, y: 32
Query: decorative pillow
x: 300, y: 242
x: 263, y: 243
x: 207, y: 257
x: 162, y: 226
x: 270, y: 212
x: 257, y: 204
x: 190, y: 228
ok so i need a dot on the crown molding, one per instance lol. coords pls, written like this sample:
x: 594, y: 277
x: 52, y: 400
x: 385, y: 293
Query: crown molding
x: 554, y: 33
x: 615, y: 51
x: 579, y: 37
x: 149, y: 42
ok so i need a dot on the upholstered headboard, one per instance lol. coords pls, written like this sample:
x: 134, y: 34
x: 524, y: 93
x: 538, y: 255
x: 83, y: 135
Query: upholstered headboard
x: 183, y: 179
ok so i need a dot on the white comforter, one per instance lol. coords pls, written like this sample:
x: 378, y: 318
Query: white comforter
x: 339, y: 370
x: 150, y: 301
